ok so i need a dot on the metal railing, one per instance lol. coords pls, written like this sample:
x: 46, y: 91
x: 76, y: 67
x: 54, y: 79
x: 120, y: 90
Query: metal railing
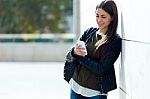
x: 45, y: 37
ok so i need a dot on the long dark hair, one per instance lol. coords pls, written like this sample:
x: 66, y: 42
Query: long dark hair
x: 110, y: 7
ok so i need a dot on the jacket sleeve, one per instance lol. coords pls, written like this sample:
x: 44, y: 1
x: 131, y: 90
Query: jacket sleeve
x: 71, y: 57
x: 104, y: 64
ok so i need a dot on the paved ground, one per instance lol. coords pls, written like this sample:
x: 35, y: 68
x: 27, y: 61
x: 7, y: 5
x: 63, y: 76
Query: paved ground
x: 31, y: 80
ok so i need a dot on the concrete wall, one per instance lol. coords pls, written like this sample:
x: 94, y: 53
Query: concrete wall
x: 33, y: 51
x: 134, y: 71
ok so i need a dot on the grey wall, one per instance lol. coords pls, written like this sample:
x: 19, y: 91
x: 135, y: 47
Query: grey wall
x: 33, y: 51
x: 134, y: 70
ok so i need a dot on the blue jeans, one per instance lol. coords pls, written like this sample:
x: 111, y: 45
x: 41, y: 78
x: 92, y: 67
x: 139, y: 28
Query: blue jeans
x: 78, y: 96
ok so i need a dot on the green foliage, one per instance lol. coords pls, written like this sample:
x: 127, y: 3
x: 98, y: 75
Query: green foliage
x: 30, y: 16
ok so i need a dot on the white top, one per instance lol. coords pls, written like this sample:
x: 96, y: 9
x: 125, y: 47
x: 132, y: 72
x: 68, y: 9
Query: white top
x: 83, y: 90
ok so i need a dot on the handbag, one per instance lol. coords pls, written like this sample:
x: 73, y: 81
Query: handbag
x: 68, y: 70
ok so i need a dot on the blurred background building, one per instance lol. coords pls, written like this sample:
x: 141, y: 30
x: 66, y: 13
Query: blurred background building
x: 36, y: 30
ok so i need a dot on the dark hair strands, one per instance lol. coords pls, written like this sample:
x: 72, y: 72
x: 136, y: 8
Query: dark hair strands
x: 110, y: 7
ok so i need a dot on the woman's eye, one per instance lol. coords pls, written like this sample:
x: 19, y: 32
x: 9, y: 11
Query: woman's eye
x: 103, y: 17
x: 97, y: 16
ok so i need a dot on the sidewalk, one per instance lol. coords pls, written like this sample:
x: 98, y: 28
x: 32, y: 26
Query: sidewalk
x: 31, y: 80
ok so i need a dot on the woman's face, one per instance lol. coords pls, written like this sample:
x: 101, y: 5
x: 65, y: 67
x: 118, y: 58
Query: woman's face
x: 103, y: 19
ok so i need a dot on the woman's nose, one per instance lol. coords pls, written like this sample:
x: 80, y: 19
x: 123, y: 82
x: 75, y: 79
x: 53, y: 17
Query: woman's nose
x: 99, y: 19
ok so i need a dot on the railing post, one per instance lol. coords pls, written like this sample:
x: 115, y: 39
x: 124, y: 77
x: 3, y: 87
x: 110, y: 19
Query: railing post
x: 76, y: 18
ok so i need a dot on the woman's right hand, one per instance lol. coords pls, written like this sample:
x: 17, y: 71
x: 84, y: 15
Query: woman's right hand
x: 79, y: 50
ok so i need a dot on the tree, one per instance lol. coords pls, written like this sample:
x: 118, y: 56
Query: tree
x: 30, y: 16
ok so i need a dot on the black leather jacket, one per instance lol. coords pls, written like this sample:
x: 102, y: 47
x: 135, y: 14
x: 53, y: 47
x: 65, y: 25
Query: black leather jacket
x: 104, y: 67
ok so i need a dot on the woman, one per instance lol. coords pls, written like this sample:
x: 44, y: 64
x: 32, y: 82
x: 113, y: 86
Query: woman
x: 90, y: 70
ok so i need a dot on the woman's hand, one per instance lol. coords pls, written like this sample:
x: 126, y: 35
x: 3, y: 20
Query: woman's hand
x: 79, y: 50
